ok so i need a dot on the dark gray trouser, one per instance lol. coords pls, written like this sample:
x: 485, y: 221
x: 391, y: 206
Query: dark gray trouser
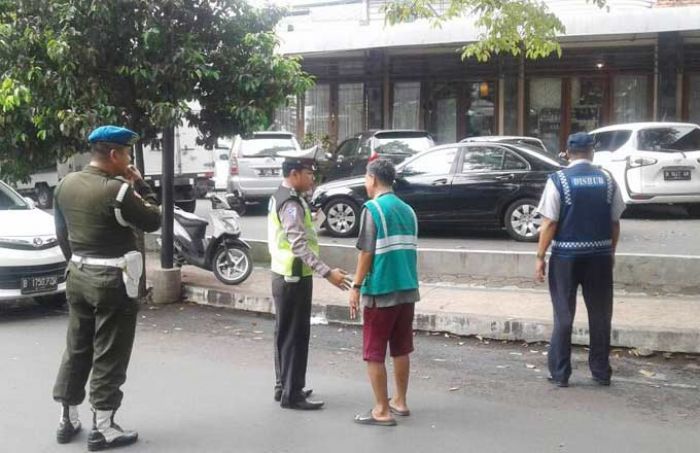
x: 595, y: 275
x: 101, y: 327
x: 292, y: 332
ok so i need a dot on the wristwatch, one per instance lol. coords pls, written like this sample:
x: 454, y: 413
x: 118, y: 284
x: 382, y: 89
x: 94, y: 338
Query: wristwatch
x: 541, y: 255
x: 356, y: 285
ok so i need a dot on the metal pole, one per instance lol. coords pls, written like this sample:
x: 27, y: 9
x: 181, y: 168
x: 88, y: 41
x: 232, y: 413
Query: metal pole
x: 167, y: 198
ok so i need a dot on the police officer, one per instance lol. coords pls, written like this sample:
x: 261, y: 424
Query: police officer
x: 581, y: 207
x: 96, y: 212
x: 294, y: 251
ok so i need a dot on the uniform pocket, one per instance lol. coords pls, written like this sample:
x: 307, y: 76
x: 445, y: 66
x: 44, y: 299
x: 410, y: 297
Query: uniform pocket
x: 97, y: 276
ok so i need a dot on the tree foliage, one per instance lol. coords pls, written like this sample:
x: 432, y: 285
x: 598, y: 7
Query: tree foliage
x: 506, y: 26
x: 69, y: 65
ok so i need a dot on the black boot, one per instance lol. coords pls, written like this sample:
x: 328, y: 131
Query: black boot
x: 107, y: 434
x: 68, y: 425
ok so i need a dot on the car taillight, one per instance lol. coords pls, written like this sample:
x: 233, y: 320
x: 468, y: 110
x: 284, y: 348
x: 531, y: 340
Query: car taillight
x: 234, y: 167
x: 208, y: 174
x: 373, y: 156
x: 636, y: 162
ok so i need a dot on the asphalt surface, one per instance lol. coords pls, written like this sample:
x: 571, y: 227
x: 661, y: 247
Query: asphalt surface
x: 664, y: 230
x: 201, y: 380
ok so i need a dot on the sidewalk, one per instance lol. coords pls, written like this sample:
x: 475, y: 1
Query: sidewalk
x: 507, y: 313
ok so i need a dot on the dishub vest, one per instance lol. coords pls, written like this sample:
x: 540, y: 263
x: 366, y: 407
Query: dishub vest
x: 585, y: 220
x: 394, y: 265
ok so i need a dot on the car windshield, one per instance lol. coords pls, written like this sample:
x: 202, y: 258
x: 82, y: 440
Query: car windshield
x: 542, y: 155
x: 610, y: 140
x: 11, y: 200
x: 267, y: 146
x: 402, y: 143
x: 669, y: 139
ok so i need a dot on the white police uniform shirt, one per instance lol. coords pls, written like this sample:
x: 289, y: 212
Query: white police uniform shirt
x: 550, y: 203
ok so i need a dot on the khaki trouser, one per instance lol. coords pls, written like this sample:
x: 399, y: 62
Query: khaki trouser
x: 101, y: 327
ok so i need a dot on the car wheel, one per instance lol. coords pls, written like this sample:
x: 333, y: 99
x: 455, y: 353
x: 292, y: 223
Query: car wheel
x: 233, y: 267
x: 51, y: 301
x: 521, y: 220
x: 44, y: 196
x: 342, y: 217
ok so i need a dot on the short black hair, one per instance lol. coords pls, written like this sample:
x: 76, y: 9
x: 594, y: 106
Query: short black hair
x: 383, y: 170
x: 101, y: 150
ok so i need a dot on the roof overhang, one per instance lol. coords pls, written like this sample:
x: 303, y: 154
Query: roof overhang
x: 351, y: 36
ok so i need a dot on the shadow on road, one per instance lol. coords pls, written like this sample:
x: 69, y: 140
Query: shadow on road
x: 656, y: 212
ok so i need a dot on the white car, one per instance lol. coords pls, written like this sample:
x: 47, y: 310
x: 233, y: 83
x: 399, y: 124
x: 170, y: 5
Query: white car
x: 31, y: 262
x: 652, y: 163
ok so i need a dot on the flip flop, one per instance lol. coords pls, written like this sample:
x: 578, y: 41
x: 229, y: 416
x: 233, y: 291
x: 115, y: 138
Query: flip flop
x: 368, y: 419
x: 399, y: 412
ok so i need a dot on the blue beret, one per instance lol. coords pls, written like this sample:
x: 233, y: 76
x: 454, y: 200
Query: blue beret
x: 579, y: 141
x: 113, y: 134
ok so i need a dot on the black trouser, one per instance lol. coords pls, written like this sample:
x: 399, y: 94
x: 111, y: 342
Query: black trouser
x: 595, y: 275
x: 292, y: 331
x: 101, y: 327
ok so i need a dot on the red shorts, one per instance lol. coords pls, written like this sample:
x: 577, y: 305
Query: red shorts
x: 392, y: 325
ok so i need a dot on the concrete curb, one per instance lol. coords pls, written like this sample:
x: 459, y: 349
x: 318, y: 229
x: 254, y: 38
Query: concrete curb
x: 644, y: 273
x: 463, y: 324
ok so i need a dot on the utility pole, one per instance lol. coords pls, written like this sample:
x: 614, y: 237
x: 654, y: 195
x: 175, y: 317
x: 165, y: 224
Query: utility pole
x: 167, y: 198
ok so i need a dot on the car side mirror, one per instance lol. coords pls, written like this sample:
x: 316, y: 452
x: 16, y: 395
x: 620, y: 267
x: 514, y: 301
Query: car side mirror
x: 30, y: 202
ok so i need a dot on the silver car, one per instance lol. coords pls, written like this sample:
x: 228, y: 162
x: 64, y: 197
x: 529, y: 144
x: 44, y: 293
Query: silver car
x: 255, y: 169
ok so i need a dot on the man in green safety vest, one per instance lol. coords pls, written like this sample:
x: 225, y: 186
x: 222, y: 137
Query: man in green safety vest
x: 294, y: 250
x: 386, y: 280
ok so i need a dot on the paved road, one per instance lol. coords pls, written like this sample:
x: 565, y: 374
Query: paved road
x: 659, y: 230
x: 201, y: 380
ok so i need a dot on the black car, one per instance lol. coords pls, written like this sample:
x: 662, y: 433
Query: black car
x: 352, y: 155
x: 475, y: 185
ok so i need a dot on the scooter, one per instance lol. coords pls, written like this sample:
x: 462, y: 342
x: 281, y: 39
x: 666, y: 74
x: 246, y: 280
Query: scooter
x: 224, y: 253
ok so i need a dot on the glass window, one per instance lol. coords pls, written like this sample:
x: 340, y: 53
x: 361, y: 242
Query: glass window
x: 669, y: 139
x: 694, y: 99
x: 402, y: 142
x: 544, y: 112
x: 406, y: 107
x: 513, y: 162
x: 268, y: 145
x: 630, y: 99
x: 586, y: 103
x: 436, y: 162
x: 610, y: 141
x: 317, y: 110
x: 442, y: 113
x: 510, y: 103
x: 351, y: 108
x: 481, y: 98
x: 348, y: 147
x: 286, y: 116
x: 9, y: 199
x: 482, y: 158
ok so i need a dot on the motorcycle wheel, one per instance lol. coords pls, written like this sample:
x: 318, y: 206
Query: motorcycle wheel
x: 233, y: 267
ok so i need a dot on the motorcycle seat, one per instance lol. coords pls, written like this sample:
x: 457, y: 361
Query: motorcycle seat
x: 188, y: 222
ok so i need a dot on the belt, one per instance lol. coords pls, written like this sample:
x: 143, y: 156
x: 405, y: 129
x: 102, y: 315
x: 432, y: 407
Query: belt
x: 107, y: 262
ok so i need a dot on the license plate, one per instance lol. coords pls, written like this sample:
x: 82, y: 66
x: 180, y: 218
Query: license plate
x: 269, y: 172
x: 39, y: 284
x: 677, y: 175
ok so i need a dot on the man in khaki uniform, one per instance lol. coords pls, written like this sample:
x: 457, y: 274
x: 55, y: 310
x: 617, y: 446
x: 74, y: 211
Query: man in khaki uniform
x: 96, y: 212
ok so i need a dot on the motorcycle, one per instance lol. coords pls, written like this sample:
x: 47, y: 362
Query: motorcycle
x: 224, y: 252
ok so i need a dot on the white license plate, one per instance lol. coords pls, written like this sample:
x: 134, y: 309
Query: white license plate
x: 39, y: 284
x: 268, y: 172
x: 677, y: 175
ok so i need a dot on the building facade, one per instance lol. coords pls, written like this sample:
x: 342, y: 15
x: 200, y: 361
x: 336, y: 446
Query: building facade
x: 637, y: 61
